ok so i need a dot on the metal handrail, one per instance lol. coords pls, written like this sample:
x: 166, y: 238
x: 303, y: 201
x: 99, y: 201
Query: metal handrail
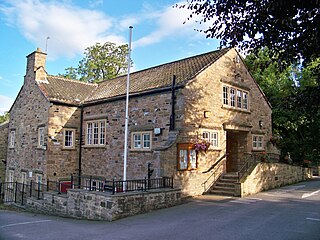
x: 251, y: 160
x: 215, y: 174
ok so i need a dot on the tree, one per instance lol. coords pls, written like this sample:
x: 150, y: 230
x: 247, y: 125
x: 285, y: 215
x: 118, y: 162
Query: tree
x: 4, y: 117
x: 289, y: 28
x: 101, y: 62
x: 294, y: 95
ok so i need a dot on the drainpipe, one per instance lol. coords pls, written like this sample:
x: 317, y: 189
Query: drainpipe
x: 172, y: 116
x: 80, y: 147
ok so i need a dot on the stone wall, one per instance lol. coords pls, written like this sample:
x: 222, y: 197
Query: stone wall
x: 3, y: 149
x: 271, y: 175
x: 62, y: 162
x: 83, y: 204
x: 145, y: 114
x: 28, y: 114
x: 204, y: 93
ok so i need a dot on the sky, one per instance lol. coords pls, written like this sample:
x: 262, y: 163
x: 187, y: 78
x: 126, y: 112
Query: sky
x: 64, y: 29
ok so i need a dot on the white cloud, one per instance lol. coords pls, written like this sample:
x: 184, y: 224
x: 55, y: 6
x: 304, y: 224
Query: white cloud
x: 170, y: 24
x: 5, y: 104
x: 71, y: 29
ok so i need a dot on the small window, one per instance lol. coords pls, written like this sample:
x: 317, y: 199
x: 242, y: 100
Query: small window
x: 68, y: 138
x: 96, y: 133
x: 141, y: 140
x: 187, y: 157
x: 41, y: 137
x: 38, y: 185
x: 23, y: 177
x: 11, y: 179
x: 257, y: 142
x: 211, y: 137
x: 12, y: 137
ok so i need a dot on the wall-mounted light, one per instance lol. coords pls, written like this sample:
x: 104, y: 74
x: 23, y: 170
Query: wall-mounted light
x: 207, y: 114
x: 260, y: 123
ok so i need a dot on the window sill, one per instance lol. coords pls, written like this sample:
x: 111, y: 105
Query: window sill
x: 226, y: 107
x: 68, y: 148
x: 141, y: 150
x: 258, y: 150
x: 94, y: 146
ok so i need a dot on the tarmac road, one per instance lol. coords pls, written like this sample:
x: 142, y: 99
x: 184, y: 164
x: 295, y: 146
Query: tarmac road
x: 288, y: 213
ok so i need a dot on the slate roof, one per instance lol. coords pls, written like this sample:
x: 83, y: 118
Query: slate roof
x: 66, y: 90
x: 158, y: 77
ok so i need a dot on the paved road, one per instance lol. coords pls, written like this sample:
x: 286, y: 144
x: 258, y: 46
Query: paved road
x: 288, y: 213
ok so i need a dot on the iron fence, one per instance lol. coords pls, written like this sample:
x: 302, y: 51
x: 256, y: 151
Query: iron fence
x: 19, y: 192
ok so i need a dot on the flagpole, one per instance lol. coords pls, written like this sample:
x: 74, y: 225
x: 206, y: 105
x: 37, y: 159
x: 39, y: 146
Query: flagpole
x: 125, y: 153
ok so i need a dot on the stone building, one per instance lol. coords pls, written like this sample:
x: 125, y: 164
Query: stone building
x: 3, y: 149
x: 60, y: 127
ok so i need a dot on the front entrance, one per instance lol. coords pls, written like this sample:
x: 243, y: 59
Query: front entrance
x: 236, y: 147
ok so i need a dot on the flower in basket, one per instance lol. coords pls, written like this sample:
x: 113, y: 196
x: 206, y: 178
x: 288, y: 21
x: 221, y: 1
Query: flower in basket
x: 201, y: 146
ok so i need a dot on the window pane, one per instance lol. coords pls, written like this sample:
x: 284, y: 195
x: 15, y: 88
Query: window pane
x: 95, y: 132
x: 232, y: 97
x: 205, y: 136
x: 146, y: 140
x: 225, y: 95
x: 193, y: 159
x: 239, y: 98
x: 102, y: 132
x: 41, y: 136
x: 68, y: 138
x: 137, y: 140
x: 214, y: 139
x: 245, y: 100
x: 183, y: 159
x: 89, y: 133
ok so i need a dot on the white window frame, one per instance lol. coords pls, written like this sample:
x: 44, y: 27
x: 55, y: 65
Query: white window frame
x: 11, y: 179
x: 212, y: 136
x: 236, y: 98
x: 96, y: 132
x: 257, y: 142
x: 71, y: 138
x: 12, y: 137
x: 41, y: 142
x: 245, y: 100
x: 23, y: 177
x: 139, y: 140
x: 39, y: 179
x: 225, y: 95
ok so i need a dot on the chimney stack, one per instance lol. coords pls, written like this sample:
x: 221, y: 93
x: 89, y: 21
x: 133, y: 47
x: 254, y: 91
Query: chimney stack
x: 36, y: 63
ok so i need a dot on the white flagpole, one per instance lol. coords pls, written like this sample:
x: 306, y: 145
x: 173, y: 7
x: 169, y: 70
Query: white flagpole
x: 125, y: 153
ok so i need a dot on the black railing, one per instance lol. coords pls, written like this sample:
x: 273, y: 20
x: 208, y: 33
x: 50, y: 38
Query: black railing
x: 214, y: 176
x: 250, y: 160
x: 19, y: 192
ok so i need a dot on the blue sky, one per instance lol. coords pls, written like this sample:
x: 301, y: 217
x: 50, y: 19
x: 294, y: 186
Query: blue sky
x: 159, y: 35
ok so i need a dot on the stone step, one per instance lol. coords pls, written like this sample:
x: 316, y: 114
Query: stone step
x: 223, y: 188
x: 225, y: 184
x: 222, y: 192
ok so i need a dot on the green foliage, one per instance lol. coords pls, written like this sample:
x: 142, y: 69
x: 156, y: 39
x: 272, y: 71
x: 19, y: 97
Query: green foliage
x: 4, y: 117
x: 289, y: 29
x: 294, y: 94
x: 101, y: 62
